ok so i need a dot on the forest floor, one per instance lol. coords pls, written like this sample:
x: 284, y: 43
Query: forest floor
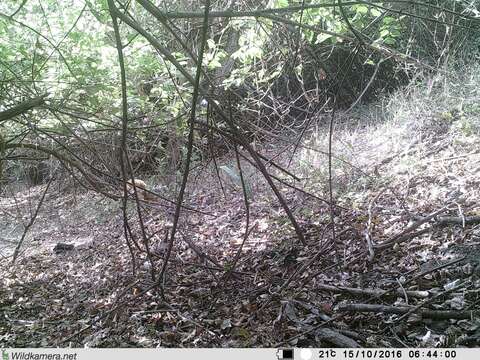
x: 401, y: 269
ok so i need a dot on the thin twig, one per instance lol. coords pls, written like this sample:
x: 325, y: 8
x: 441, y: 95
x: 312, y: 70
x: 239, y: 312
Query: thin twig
x: 189, y: 148
x: 31, y: 222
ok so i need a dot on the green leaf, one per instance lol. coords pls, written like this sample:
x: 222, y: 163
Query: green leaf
x: 389, y: 41
x: 214, y: 64
x: 322, y: 38
x: 388, y: 20
x: 281, y: 3
x: 361, y: 9
x: 384, y: 33
x: 211, y: 44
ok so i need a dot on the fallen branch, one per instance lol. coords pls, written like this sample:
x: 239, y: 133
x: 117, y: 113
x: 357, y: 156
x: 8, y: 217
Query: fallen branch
x: 404, y: 235
x: 440, y: 221
x: 401, y: 239
x: 453, y: 157
x: 417, y: 308
x: 431, y: 314
x: 368, y: 230
x: 335, y: 338
x: 433, y: 269
x: 456, y: 220
x: 372, y: 292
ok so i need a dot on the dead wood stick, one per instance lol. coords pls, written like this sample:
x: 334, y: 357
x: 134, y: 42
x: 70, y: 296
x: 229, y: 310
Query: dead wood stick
x: 401, y: 236
x: 335, y: 338
x: 401, y: 239
x: 435, y: 268
x: 447, y: 220
x: 406, y: 152
x: 416, y: 308
x: 352, y: 334
x: 368, y: 230
x: 372, y: 292
x: 453, y: 157
x: 34, y: 216
x: 231, y: 269
x: 201, y: 254
x: 432, y: 314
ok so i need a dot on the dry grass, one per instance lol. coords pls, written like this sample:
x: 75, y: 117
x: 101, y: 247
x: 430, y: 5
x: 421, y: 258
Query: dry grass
x: 401, y: 136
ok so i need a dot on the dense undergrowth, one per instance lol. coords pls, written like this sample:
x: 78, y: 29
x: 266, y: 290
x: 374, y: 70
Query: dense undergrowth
x: 396, y: 161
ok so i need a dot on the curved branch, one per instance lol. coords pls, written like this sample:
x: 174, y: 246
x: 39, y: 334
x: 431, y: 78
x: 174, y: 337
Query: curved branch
x: 239, y: 137
x: 43, y: 37
x: 376, y: 47
x: 18, y: 9
x: 196, y: 91
x: 292, y: 9
x: 22, y: 108
x: 65, y: 160
x: 354, y: 31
